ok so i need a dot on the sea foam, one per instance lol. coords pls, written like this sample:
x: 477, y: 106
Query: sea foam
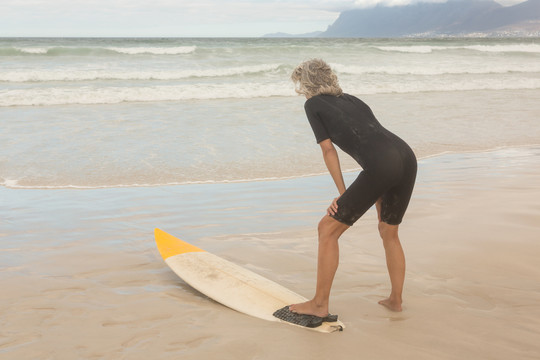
x: 154, y: 50
x: 93, y: 50
x: 112, y: 95
x: 106, y: 74
x: 426, y: 69
x: 426, y: 49
x: 85, y: 95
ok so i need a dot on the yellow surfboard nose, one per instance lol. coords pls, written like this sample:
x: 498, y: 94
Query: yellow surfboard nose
x: 169, y: 245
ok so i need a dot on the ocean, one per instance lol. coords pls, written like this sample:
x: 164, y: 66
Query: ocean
x: 121, y: 112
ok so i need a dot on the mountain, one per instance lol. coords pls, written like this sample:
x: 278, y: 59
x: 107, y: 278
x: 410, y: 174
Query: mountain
x: 520, y: 15
x: 455, y: 17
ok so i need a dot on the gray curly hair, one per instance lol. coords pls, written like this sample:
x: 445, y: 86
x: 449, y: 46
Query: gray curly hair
x: 315, y: 77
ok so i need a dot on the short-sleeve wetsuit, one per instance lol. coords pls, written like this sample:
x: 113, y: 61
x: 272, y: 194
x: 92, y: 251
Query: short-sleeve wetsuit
x: 388, y: 163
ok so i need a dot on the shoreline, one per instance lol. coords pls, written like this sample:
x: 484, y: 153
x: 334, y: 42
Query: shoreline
x: 12, y: 184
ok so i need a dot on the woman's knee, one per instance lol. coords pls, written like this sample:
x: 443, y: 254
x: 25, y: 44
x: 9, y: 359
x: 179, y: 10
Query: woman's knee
x: 330, y: 229
x: 324, y: 227
x: 388, y: 232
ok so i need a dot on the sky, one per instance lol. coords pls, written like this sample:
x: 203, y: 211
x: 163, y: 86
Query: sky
x: 176, y: 18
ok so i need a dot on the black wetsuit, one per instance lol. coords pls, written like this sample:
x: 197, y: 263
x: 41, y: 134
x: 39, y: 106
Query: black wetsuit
x: 389, y: 164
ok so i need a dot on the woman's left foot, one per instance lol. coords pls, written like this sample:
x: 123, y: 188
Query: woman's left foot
x: 310, y: 308
x: 391, y: 305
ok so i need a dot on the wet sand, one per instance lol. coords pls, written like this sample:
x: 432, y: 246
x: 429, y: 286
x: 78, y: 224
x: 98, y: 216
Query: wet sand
x: 82, y: 279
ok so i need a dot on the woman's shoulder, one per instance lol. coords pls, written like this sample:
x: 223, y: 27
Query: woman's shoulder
x: 349, y: 97
x: 313, y: 101
x: 323, y: 98
x: 323, y: 101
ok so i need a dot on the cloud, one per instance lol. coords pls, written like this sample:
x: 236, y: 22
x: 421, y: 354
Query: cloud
x: 184, y: 18
x: 202, y: 9
x: 372, y: 3
x: 362, y: 4
x: 174, y: 17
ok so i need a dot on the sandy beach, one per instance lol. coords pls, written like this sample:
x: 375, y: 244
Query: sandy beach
x: 82, y: 279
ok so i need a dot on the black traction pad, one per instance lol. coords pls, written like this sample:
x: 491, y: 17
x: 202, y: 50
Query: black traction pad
x: 310, y: 321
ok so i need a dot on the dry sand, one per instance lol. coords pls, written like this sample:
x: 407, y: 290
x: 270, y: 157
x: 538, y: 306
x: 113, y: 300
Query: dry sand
x: 81, y: 278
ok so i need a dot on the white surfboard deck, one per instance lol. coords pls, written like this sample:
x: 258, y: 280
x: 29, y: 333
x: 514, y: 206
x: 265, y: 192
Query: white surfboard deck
x: 230, y: 284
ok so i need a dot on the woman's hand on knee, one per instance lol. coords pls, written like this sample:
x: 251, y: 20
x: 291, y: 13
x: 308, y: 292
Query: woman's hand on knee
x: 333, y: 207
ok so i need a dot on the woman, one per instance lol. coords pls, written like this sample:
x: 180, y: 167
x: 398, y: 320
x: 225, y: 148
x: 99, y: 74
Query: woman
x: 387, y: 179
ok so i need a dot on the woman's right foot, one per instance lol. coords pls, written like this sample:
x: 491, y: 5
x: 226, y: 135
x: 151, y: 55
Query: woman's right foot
x: 310, y: 308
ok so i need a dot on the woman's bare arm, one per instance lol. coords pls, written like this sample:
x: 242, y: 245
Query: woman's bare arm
x: 331, y: 160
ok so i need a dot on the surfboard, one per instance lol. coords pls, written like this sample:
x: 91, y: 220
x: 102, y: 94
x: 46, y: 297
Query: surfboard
x: 230, y: 284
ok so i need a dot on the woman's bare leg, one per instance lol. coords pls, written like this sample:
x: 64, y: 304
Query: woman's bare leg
x: 395, y: 262
x: 328, y: 259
